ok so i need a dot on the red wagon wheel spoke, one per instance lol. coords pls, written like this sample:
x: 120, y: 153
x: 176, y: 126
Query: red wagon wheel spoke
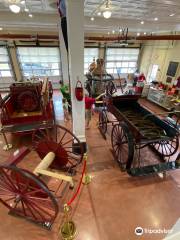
x: 33, y: 192
x: 8, y: 181
x: 5, y: 187
x: 42, y: 202
x: 62, y: 138
x: 31, y: 211
x: 66, y: 142
x: 39, y: 208
x: 23, y: 207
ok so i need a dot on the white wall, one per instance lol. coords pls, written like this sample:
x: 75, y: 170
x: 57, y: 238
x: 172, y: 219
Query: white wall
x: 160, y: 53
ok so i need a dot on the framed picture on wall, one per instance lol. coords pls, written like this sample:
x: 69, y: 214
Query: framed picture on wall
x: 172, y: 68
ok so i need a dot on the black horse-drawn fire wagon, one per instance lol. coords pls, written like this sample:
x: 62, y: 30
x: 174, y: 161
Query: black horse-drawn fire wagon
x: 133, y: 129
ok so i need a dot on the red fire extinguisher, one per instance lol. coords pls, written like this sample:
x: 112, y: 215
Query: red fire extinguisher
x: 79, y: 91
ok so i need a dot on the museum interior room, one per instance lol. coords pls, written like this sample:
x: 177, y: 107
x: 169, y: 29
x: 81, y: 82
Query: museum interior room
x: 90, y: 119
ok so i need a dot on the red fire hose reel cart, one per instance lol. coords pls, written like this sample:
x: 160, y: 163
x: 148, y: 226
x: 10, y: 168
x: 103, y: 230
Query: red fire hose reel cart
x: 26, y: 107
x: 28, y: 193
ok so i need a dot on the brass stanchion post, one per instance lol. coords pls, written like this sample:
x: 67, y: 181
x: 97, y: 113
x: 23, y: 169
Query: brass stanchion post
x: 86, y: 178
x: 68, y: 229
x: 7, y: 145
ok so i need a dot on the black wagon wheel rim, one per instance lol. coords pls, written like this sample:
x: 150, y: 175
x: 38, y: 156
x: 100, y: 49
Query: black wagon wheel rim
x: 122, y: 145
x: 167, y: 148
x: 103, y: 122
x: 27, y: 196
x: 60, y: 140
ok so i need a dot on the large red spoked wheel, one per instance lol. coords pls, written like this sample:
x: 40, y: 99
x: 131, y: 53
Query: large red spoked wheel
x: 66, y: 146
x: 122, y: 144
x: 28, y: 101
x: 27, y: 196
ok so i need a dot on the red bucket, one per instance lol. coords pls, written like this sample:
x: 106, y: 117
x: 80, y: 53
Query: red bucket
x: 79, y: 91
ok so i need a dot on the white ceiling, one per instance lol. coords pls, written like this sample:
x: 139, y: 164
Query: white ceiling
x: 35, y: 6
x: 136, y: 9
x: 129, y: 13
x: 125, y: 13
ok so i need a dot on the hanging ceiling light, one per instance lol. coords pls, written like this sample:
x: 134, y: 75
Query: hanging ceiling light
x: 13, y: 6
x: 107, y: 13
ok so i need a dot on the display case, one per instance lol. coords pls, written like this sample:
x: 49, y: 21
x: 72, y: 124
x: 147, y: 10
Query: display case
x: 159, y: 97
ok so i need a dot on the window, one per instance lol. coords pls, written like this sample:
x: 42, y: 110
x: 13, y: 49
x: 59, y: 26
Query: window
x: 153, y: 73
x: 89, y: 54
x: 121, y: 60
x: 5, y: 66
x: 39, y: 61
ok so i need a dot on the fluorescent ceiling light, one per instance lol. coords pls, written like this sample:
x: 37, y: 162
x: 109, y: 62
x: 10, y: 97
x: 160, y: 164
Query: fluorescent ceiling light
x: 22, y: 2
x: 92, y: 18
x: 142, y: 22
x: 30, y: 15
x: 155, y: 19
x: 171, y: 15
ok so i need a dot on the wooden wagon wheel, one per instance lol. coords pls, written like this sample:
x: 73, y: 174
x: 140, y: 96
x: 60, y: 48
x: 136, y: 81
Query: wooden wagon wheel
x: 122, y: 144
x: 66, y: 146
x: 28, y: 101
x: 167, y: 148
x: 27, y: 196
x: 103, y: 120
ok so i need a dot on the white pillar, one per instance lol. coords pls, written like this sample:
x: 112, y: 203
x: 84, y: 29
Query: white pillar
x: 63, y: 53
x: 75, y: 27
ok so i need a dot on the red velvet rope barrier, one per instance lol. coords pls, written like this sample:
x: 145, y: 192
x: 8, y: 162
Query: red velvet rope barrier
x: 80, y: 183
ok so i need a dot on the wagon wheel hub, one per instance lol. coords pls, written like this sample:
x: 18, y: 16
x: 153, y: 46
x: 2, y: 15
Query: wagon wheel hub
x: 18, y: 198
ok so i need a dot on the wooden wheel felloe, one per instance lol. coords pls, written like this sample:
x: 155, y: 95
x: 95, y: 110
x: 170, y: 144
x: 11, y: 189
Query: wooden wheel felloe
x: 27, y: 196
x: 66, y: 146
x: 167, y: 148
x: 103, y: 123
x: 122, y: 145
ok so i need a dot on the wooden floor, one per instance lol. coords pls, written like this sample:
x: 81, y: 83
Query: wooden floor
x: 113, y: 205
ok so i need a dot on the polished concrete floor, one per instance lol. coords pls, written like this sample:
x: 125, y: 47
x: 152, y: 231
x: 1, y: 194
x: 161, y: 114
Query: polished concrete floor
x: 112, y: 205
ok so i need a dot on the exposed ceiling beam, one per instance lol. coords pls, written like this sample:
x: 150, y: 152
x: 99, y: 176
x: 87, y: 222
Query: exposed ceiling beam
x: 98, y: 39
